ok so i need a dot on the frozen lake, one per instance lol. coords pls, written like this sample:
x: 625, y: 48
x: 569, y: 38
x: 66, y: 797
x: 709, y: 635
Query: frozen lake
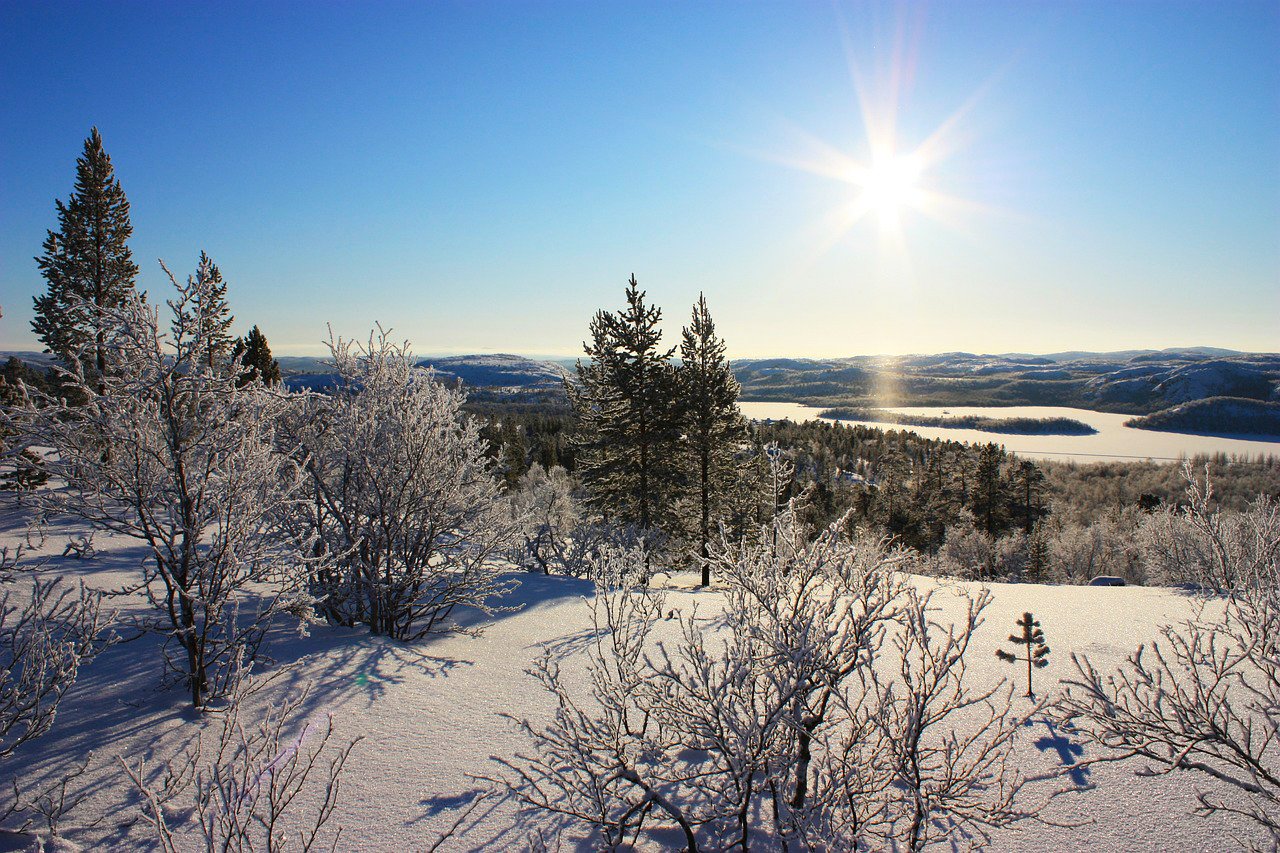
x: 1113, y: 439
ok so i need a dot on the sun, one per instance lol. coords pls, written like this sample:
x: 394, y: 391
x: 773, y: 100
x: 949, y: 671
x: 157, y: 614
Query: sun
x: 897, y: 178
x: 890, y: 185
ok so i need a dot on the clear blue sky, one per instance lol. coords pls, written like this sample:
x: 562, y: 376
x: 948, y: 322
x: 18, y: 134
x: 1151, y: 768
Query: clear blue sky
x: 483, y: 176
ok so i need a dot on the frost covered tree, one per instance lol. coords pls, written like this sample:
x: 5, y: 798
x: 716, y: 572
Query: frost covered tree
x: 780, y: 724
x: 403, y: 495
x: 215, y: 313
x: 625, y: 401
x: 713, y: 425
x: 1204, y: 697
x: 87, y: 265
x: 1035, y: 651
x: 543, y: 502
x: 181, y: 458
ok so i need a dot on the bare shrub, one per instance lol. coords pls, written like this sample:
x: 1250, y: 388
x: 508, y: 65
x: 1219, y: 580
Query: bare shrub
x: 1203, y: 698
x: 402, y: 496
x: 46, y: 635
x: 253, y: 787
x: 822, y: 709
x: 44, y: 640
x: 167, y: 450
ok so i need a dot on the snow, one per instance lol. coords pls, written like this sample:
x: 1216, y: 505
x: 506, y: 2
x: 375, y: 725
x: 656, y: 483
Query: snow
x: 428, y: 712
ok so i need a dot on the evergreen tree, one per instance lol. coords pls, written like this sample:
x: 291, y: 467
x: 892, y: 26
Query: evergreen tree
x: 713, y: 424
x: 216, y: 315
x: 628, y: 421
x: 255, y: 359
x: 1028, y: 490
x: 1038, y: 556
x: 1032, y: 639
x: 87, y: 265
x: 988, y: 497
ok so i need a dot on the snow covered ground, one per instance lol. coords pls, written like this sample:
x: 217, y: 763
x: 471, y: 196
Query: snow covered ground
x: 428, y: 713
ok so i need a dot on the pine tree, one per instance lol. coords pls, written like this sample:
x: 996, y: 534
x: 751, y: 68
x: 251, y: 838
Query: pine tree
x: 1028, y: 482
x: 217, y: 316
x: 989, y: 497
x: 713, y: 424
x: 1032, y: 639
x: 255, y: 359
x: 627, y: 418
x: 87, y: 265
x: 1038, y: 556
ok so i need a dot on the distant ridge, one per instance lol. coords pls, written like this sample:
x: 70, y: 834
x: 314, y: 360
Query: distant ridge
x: 500, y: 370
x: 1129, y: 381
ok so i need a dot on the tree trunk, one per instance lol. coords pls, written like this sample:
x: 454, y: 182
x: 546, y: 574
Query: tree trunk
x: 706, y: 519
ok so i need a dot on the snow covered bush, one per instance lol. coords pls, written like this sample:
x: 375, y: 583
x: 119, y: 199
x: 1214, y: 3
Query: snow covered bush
x: 544, y: 505
x: 402, y: 496
x: 170, y: 452
x: 46, y: 635
x: 555, y: 536
x: 253, y: 787
x: 825, y: 708
x: 1212, y: 550
x: 970, y: 553
x: 1105, y: 547
x: 1205, y: 697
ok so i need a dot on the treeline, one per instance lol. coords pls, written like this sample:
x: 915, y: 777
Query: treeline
x: 974, y: 509
x: 1222, y: 415
x: 1009, y: 426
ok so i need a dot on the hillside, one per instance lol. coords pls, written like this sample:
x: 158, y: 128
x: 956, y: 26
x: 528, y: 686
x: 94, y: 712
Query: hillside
x: 1216, y: 415
x: 498, y: 371
x: 493, y: 372
x: 429, y: 713
x: 1136, y: 382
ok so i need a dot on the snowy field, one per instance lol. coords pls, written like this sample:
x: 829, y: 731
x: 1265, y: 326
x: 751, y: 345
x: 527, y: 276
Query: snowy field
x: 429, y: 713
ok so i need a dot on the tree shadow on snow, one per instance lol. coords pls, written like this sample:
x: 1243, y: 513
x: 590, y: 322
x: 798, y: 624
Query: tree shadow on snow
x: 530, y: 592
x: 491, y: 819
x: 336, y: 662
x: 1069, y: 752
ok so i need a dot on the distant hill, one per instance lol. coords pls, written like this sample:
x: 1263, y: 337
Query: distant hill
x: 499, y: 371
x: 1137, y: 382
x: 1133, y: 382
x: 34, y: 359
x: 1217, y: 416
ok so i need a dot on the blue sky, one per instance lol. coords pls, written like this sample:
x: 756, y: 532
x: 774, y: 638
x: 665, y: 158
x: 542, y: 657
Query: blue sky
x: 483, y: 176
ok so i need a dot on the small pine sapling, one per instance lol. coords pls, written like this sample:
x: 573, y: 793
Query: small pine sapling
x: 1037, y: 652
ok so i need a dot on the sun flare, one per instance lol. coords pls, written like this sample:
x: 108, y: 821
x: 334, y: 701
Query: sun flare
x: 890, y: 185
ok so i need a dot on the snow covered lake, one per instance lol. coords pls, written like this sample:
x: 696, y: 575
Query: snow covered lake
x: 1113, y: 440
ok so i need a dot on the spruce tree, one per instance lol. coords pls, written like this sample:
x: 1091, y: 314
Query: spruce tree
x: 1038, y: 555
x: 87, y: 265
x: 713, y: 424
x: 216, y: 315
x: 1032, y: 639
x: 989, y: 495
x: 255, y: 359
x: 627, y: 419
x: 1028, y: 482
